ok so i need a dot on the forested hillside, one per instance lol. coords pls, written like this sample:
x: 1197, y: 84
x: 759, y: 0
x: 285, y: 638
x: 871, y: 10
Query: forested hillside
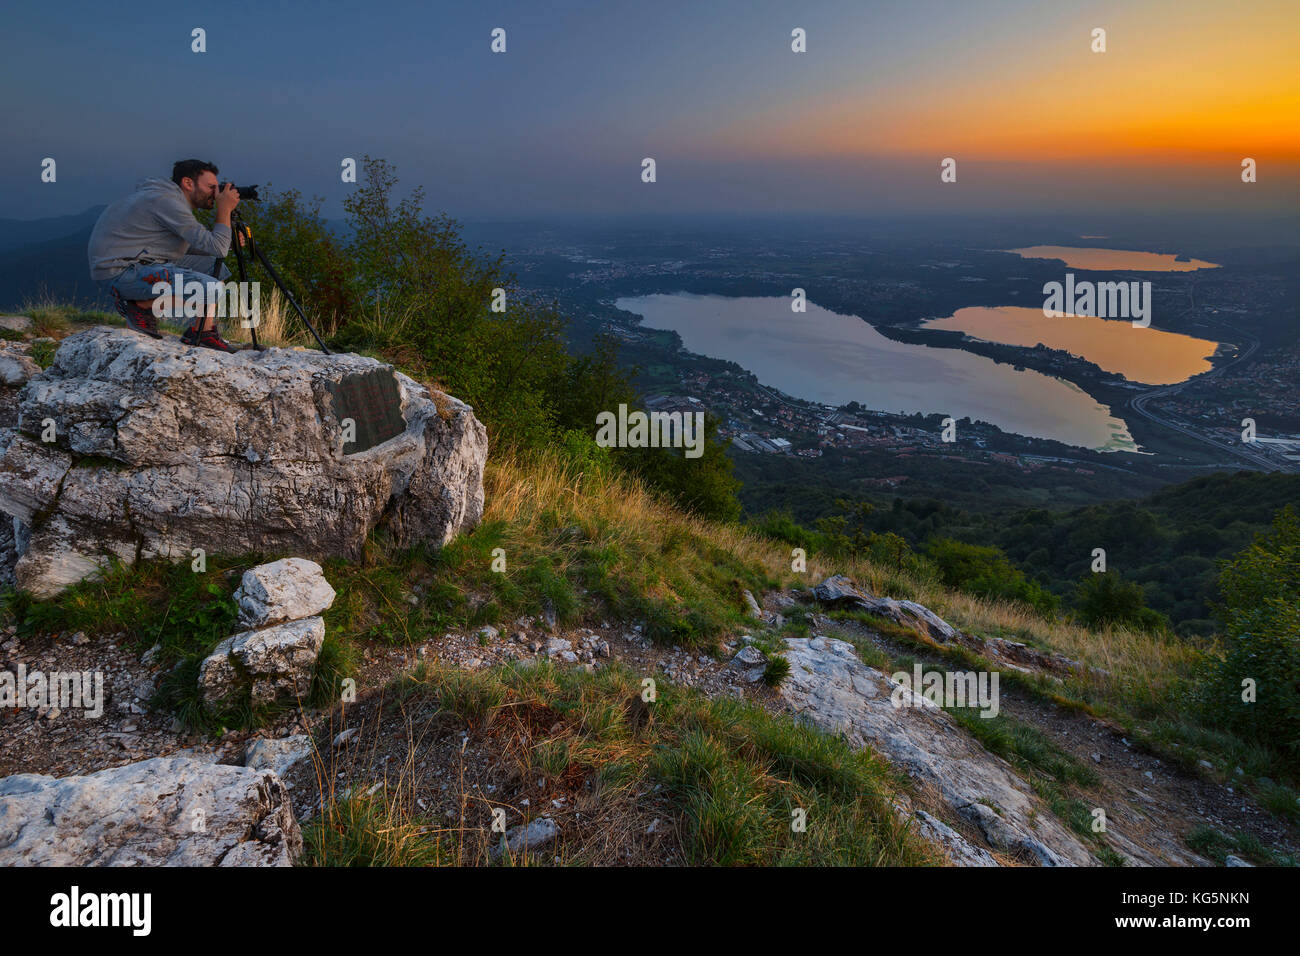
x: 1169, y: 543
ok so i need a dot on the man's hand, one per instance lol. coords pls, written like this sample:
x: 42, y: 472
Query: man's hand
x: 227, y: 200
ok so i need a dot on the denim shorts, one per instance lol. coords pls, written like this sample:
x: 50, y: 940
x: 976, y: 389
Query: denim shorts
x: 135, y: 283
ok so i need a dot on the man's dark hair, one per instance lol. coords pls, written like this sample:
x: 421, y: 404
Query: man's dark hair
x: 191, y: 168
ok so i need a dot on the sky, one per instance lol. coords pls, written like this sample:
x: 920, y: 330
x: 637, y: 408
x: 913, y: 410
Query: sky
x: 558, y: 125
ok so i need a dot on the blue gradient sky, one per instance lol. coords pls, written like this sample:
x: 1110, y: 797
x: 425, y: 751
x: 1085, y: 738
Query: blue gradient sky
x: 737, y: 123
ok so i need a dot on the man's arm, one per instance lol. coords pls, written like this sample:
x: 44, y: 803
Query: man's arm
x: 177, y: 217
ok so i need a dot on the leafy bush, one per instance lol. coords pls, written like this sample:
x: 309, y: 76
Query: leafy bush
x: 847, y: 535
x: 703, y: 485
x: 308, y: 255
x: 1261, y: 632
x: 1106, y: 598
x: 987, y: 572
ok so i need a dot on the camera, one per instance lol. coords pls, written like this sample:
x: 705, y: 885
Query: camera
x: 247, y: 192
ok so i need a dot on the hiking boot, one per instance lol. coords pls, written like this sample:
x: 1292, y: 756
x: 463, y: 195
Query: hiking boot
x: 142, y: 320
x: 211, y: 339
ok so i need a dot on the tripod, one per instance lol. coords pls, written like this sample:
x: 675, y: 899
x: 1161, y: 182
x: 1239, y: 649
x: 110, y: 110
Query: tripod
x: 238, y: 230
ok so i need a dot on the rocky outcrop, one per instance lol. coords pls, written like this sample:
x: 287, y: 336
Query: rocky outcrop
x: 829, y: 686
x: 169, y: 811
x: 840, y: 591
x: 955, y: 847
x: 280, y: 603
x: 133, y: 448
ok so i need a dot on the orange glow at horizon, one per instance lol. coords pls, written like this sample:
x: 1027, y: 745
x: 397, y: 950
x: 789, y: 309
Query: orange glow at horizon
x: 1192, y: 94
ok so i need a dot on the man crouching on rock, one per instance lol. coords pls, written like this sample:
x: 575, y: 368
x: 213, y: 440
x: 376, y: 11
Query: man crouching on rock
x: 151, y: 236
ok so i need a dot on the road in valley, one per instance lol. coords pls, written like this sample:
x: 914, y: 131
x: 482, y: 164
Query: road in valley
x: 1239, y: 450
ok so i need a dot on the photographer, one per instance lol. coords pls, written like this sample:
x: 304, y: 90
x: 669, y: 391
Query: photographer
x: 152, y: 235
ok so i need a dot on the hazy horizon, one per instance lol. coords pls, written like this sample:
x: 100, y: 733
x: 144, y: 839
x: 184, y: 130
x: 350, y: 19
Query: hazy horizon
x: 739, y: 125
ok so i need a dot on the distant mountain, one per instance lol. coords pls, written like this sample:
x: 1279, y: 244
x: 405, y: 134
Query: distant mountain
x: 46, y: 258
x: 24, y: 232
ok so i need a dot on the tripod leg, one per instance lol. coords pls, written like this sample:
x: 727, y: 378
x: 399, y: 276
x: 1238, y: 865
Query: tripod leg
x: 279, y: 284
x: 241, y: 230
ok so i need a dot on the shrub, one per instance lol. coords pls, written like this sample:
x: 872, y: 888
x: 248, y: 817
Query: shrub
x: 703, y: 485
x: 1107, y: 599
x: 1260, y: 613
x: 987, y: 572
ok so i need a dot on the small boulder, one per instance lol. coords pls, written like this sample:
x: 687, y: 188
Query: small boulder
x: 839, y: 589
x: 558, y: 647
x: 276, y: 662
x: 16, y: 368
x: 530, y: 836
x: 286, y: 590
x: 750, y: 663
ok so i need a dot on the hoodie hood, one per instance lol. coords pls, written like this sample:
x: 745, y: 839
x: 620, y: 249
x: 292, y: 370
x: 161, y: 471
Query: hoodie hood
x: 155, y: 184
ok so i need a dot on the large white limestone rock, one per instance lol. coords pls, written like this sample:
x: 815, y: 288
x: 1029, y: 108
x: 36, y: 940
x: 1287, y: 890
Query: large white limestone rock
x: 160, y: 449
x: 168, y: 811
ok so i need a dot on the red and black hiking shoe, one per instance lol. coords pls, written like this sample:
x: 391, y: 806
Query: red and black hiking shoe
x: 210, y: 339
x: 142, y: 320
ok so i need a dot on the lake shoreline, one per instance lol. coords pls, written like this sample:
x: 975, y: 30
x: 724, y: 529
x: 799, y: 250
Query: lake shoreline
x: 835, y: 358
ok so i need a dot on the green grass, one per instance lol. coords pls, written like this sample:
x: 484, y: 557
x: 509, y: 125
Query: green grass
x: 777, y: 670
x: 1164, y: 720
x: 43, y: 353
x: 360, y: 830
x: 578, y: 571
x: 734, y: 775
x: 186, y: 614
x: 1217, y: 845
x: 56, y: 318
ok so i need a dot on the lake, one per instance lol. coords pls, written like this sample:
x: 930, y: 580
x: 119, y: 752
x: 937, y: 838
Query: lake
x: 1112, y: 259
x: 1150, y: 356
x: 823, y: 356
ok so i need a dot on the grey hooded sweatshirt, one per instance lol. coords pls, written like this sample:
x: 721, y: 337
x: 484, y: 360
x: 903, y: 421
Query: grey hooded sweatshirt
x: 153, y: 224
